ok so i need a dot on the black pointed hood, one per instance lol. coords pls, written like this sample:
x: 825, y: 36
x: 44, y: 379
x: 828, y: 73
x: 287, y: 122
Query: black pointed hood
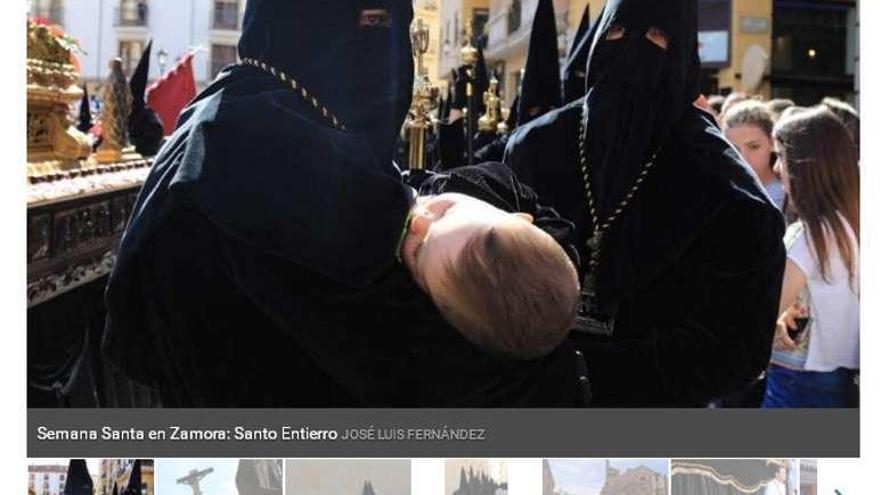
x: 575, y: 71
x: 138, y: 82
x: 134, y: 479
x: 85, y: 113
x: 78, y: 481
x: 353, y: 56
x: 481, y: 78
x: 144, y: 126
x: 541, y: 88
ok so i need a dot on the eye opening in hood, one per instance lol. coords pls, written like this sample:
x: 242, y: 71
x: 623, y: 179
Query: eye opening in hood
x: 615, y: 32
x: 658, y: 37
x: 376, y: 18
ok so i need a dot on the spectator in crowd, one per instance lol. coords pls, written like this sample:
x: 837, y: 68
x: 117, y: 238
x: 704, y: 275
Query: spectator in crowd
x: 847, y: 114
x: 815, y: 361
x: 776, y: 486
x: 749, y: 126
x: 779, y: 105
x: 731, y: 100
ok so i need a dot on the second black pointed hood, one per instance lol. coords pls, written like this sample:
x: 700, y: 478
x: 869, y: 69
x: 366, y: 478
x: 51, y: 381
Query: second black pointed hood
x: 138, y: 82
x: 144, y: 125
x: 541, y: 88
x: 134, y: 479
x: 575, y: 71
x: 85, y: 113
x: 481, y: 78
x: 78, y: 481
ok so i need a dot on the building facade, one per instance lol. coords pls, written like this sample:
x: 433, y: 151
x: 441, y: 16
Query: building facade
x: 428, y: 11
x: 122, y: 28
x: 455, y: 17
x: 808, y: 478
x: 509, y: 30
x: 636, y: 481
x: 47, y: 480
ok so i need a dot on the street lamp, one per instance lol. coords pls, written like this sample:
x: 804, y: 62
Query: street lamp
x: 162, y: 57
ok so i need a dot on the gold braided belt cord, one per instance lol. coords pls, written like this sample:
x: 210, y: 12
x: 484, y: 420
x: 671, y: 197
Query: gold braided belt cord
x: 711, y: 473
x: 297, y: 88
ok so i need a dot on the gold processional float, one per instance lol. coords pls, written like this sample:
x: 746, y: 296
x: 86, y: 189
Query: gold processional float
x: 78, y: 202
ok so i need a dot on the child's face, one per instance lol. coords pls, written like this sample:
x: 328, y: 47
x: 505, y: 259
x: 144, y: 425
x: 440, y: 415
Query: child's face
x: 440, y: 228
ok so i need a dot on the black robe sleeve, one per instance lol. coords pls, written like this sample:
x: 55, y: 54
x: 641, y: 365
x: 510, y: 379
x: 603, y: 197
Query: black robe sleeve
x: 723, y: 343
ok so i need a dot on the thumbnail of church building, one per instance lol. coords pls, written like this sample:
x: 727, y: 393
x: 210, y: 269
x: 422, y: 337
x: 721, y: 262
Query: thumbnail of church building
x: 636, y: 481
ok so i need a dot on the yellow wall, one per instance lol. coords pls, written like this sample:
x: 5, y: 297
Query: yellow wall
x: 595, y: 9
x: 740, y: 42
x: 576, y: 10
x: 449, y: 9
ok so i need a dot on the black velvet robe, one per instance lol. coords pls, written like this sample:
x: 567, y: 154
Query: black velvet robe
x: 700, y: 256
x: 211, y: 319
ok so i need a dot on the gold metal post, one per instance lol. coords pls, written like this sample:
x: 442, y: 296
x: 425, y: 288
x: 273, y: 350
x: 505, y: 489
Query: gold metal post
x: 423, y: 101
x: 469, y: 56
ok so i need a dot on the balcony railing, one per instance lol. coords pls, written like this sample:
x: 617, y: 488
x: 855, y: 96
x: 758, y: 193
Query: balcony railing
x: 133, y: 14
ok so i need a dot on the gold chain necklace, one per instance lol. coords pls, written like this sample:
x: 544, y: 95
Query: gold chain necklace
x: 587, y: 320
x: 599, y: 228
x: 297, y: 88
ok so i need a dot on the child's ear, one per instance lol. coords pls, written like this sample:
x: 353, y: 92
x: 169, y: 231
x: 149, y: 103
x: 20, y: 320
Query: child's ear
x: 525, y: 216
x: 419, y: 224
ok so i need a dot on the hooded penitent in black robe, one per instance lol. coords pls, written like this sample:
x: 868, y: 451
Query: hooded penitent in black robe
x: 690, y: 273
x: 259, y: 267
x: 452, y: 140
x: 78, y: 481
x: 144, y: 125
x: 541, y: 89
x: 135, y: 485
x: 85, y: 113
